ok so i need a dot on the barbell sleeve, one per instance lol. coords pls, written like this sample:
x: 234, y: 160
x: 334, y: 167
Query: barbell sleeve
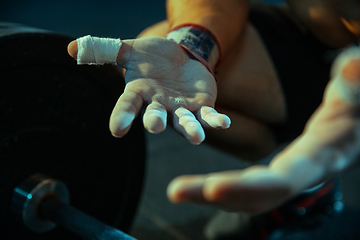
x: 78, y: 222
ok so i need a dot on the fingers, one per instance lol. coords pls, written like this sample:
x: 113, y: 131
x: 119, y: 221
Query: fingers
x: 187, y: 189
x: 201, y: 188
x: 124, y: 112
x: 345, y: 84
x: 330, y: 140
x: 155, y: 117
x: 186, y: 123
x: 94, y: 50
x: 209, y: 117
x: 253, y: 190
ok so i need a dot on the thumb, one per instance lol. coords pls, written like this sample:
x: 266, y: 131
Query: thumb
x: 99, y: 51
x: 345, y: 85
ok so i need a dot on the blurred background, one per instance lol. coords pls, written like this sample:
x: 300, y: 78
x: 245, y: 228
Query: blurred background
x: 168, y: 154
x: 111, y: 18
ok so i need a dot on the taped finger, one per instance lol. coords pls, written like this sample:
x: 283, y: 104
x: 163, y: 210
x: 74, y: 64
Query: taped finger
x: 98, y: 51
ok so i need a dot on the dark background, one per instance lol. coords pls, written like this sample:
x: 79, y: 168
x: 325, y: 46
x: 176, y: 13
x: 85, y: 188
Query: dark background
x: 111, y: 18
x: 169, y: 155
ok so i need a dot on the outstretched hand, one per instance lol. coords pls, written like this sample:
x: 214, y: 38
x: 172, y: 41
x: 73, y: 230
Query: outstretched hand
x: 329, y: 145
x: 160, y: 74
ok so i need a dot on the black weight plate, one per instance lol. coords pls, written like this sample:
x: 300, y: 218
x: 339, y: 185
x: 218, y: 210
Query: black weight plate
x: 54, y: 121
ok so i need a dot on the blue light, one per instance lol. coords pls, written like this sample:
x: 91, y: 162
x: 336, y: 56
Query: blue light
x: 22, y: 192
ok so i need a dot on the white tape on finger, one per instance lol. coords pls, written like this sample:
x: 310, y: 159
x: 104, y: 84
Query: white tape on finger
x: 97, y: 51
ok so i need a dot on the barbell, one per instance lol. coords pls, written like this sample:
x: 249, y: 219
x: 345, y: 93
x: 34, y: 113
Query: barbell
x: 54, y: 122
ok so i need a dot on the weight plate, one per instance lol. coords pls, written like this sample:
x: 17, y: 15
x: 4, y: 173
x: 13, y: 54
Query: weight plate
x: 54, y: 121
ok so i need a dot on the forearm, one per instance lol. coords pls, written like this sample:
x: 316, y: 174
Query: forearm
x: 224, y: 18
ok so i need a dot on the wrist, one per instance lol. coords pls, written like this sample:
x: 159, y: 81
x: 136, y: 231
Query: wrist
x: 198, y: 42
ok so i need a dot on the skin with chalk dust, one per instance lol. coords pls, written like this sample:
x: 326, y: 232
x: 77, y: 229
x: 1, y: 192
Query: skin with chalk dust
x: 192, y: 90
x: 180, y: 101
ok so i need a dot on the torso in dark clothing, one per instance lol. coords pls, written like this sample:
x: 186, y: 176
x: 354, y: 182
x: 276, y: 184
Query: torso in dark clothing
x: 301, y: 64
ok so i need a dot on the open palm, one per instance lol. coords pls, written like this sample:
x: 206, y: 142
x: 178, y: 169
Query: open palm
x: 161, y: 74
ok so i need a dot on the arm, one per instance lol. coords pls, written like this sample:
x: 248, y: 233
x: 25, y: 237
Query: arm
x: 226, y: 19
x: 160, y: 74
x: 328, y: 146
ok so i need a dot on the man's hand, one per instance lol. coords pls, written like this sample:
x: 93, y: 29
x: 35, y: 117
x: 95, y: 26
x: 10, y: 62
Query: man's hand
x: 329, y: 145
x: 159, y: 73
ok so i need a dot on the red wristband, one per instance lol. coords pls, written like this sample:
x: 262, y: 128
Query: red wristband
x: 200, y: 59
x: 199, y: 43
